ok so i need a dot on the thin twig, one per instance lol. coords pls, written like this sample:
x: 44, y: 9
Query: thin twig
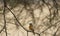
x: 19, y: 22
x: 27, y: 33
x: 56, y: 31
x: 5, y: 17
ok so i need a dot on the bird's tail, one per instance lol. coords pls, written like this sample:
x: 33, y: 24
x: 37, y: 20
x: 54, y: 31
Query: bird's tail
x: 33, y: 33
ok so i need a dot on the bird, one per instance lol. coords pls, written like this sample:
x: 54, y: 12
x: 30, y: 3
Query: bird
x: 31, y: 28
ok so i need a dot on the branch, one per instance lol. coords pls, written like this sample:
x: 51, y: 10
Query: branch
x: 56, y: 32
x: 20, y: 23
x: 4, y: 17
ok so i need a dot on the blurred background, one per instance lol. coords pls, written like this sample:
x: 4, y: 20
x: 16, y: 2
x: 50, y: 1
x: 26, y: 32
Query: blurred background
x: 18, y: 14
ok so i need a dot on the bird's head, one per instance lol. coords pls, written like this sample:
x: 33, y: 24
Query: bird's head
x: 30, y: 24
